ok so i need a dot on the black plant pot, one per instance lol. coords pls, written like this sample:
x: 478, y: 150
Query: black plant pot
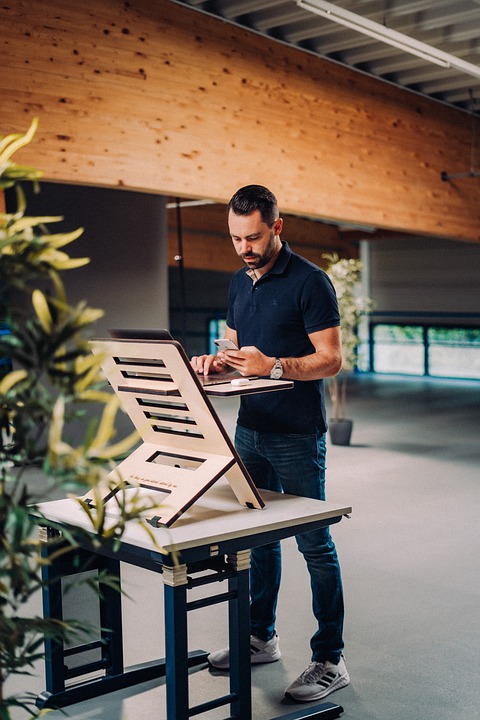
x: 340, y: 431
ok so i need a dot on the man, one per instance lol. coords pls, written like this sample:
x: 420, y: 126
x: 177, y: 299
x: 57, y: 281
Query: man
x: 283, y: 317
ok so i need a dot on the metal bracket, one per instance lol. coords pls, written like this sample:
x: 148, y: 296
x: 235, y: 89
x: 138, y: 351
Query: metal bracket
x: 449, y: 176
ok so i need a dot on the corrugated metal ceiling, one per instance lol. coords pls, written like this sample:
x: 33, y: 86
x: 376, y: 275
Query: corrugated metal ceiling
x: 451, y: 27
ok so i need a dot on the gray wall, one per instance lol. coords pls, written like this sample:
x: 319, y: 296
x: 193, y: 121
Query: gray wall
x: 427, y: 276
x: 126, y: 239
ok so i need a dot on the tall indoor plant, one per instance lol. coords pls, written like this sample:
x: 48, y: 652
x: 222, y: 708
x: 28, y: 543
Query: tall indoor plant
x: 345, y: 274
x: 48, y: 377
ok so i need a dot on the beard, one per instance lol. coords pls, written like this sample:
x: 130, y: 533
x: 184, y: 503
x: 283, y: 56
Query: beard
x: 259, y: 260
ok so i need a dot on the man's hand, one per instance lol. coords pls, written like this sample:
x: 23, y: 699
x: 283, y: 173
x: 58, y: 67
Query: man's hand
x: 325, y: 362
x: 248, y: 360
x: 208, y: 364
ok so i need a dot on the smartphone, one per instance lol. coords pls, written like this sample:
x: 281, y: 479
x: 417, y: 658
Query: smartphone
x: 225, y: 344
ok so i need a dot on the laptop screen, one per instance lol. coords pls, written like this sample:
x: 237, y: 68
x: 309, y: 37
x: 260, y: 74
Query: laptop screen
x: 130, y: 334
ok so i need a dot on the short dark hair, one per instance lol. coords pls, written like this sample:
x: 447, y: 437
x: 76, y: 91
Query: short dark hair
x: 255, y: 197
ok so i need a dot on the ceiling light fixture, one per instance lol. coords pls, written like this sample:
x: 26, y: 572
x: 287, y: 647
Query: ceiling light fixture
x: 189, y: 203
x: 390, y: 37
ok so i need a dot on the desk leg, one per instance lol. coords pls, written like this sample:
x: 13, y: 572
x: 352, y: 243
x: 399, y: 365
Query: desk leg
x: 176, y: 641
x: 64, y: 663
x: 239, y: 636
x: 61, y: 694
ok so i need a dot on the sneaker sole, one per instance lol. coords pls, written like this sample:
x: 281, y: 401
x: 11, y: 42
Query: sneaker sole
x: 337, y: 684
x: 254, y: 660
x: 218, y: 666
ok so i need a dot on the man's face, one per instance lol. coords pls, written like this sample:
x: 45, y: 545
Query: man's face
x: 255, y: 242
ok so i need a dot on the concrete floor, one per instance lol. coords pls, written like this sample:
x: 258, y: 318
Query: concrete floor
x: 410, y: 561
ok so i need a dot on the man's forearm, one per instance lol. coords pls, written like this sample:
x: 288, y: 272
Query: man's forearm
x: 325, y: 362
x: 311, y: 367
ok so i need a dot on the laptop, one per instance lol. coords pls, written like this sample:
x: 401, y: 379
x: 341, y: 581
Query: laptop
x: 218, y: 379
x: 129, y: 334
x: 163, y: 334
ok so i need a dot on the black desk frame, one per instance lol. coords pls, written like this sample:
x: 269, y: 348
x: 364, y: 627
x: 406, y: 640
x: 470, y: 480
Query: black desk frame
x: 231, y: 563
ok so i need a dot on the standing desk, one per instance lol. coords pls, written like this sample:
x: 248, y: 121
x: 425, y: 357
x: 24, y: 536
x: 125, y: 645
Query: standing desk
x: 208, y: 544
x: 211, y: 515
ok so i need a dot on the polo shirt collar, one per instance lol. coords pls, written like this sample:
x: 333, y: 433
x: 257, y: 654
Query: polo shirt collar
x: 282, y: 260
x: 280, y: 263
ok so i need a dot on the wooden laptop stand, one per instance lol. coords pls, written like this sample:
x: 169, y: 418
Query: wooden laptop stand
x: 185, y: 448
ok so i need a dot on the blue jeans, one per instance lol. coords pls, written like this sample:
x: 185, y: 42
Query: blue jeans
x: 294, y: 464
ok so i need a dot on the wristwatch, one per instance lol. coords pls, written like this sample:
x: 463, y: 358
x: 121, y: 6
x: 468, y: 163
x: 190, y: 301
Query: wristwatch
x: 277, y: 371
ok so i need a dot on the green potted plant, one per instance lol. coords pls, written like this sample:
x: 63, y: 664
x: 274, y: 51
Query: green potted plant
x: 345, y: 274
x: 48, y: 378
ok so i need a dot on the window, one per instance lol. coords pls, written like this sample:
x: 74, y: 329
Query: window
x: 216, y: 329
x: 454, y: 352
x: 5, y: 362
x: 425, y: 350
x: 398, y: 349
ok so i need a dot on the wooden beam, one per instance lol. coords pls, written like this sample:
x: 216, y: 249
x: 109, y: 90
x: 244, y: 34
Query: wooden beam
x: 207, y: 244
x: 155, y: 96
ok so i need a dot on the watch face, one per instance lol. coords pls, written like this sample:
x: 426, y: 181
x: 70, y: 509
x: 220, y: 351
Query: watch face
x: 277, y: 370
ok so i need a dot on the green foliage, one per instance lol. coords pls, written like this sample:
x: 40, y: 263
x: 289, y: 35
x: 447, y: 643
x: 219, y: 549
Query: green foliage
x: 345, y: 274
x: 51, y: 379
x: 405, y: 334
x: 456, y: 337
x: 10, y: 172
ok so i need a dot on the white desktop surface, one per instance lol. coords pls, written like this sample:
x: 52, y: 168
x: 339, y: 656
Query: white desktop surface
x: 215, y: 517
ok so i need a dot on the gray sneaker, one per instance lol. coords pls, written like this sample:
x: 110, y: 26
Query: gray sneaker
x: 318, y: 680
x: 261, y: 651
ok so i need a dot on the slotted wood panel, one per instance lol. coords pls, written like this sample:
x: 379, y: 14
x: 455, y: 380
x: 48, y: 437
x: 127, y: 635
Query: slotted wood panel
x: 154, y: 96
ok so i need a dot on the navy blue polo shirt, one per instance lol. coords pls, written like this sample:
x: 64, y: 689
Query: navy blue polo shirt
x: 276, y: 314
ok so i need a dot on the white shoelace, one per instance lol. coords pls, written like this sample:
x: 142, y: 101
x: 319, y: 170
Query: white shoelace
x: 315, y: 671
